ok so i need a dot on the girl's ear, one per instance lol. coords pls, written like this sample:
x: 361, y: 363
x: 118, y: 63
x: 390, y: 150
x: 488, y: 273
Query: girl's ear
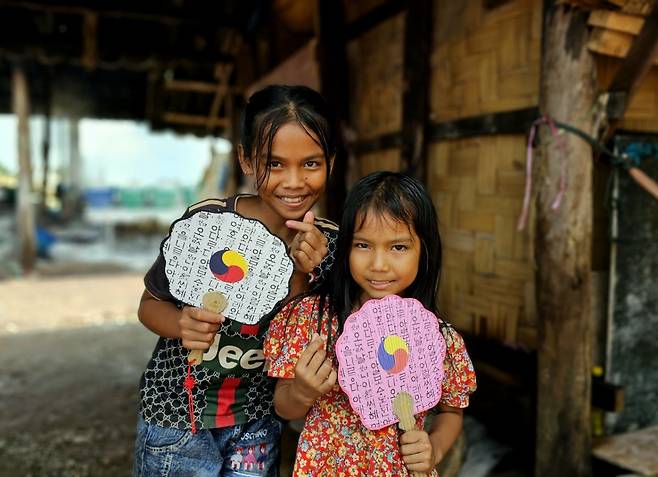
x: 245, y: 163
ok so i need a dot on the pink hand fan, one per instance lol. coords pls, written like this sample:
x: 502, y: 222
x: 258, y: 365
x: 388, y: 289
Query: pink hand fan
x: 390, y: 348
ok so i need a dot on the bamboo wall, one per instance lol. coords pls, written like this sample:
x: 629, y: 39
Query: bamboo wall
x: 483, y: 60
x: 375, y: 63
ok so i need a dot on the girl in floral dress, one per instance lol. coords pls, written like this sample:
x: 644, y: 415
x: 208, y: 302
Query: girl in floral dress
x: 388, y: 244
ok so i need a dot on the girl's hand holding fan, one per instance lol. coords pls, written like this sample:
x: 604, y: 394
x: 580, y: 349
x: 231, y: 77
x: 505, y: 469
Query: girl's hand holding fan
x: 390, y: 358
x: 314, y: 373
x: 221, y: 262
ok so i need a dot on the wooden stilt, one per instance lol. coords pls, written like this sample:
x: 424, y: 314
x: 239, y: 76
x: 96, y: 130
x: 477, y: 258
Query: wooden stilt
x: 45, y: 147
x: 24, y: 209
x: 563, y: 252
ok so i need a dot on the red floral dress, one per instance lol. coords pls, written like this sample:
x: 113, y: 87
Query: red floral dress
x: 333, y: 441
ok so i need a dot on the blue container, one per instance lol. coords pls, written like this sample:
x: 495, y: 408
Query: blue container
x: 99, y: 196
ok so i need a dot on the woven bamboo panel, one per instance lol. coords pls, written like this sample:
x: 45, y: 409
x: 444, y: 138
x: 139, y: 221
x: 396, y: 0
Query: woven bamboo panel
x: 642, y: 112
x: 485, y: 60
x: 388, y: 160
x: 375, y: 65
x: 487, y: 283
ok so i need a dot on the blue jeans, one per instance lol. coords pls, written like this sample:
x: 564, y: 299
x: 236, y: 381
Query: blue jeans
x: 244, y: 450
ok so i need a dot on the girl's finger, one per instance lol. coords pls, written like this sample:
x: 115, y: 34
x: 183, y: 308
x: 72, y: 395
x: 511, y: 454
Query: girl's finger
x: 313, y: 254
x: 329, y: 382
x: 306, y: 225
x: 316, y: 361
x: 206, y: 316
x: 309, y: 352
x: 303, y: 262
x: 324, y: 370
x: 192, y: 344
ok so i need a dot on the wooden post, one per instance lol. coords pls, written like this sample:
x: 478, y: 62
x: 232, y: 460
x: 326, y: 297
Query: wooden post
x: 72, y: 207
x: 416, y: 82
x: 332, y: 59
x: 24, y: 210
x: 563, y: 252
x: 45, y: 145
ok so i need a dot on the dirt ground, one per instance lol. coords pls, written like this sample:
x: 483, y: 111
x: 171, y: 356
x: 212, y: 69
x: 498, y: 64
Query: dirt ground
x: 71, y: 353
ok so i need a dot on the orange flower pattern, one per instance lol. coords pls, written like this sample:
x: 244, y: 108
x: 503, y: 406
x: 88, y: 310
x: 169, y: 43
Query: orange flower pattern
x: 333, y: 441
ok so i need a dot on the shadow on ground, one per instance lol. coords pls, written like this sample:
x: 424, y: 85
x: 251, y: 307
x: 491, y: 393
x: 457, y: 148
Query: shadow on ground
x: 70, y: 400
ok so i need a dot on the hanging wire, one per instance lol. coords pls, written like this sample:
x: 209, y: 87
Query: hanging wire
x: 625, y: 161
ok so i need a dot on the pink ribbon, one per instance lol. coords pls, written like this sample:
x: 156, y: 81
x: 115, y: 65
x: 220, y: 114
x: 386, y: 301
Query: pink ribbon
x: 528, y: 178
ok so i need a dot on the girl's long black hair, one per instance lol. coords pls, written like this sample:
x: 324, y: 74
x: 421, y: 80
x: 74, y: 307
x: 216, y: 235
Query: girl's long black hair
x: 402, y: 198
x: 272, y: 107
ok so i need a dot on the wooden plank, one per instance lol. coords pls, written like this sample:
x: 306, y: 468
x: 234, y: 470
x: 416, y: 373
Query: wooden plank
x: 637, y: 63
x: 634, y: 7
x: 616, y: 21
x: 563, y: 253
x: 415, y: 96
x: 378, y: 143
x: 333, y: 72
x: 25, y: 221
x: 189, y: 86
x: 222, y: 74
x: 611, y: 43
x: 509, y: 122
x: 193, y: 120
x: 635, y: 451
x: 606, y: 396
x: 89, y: 40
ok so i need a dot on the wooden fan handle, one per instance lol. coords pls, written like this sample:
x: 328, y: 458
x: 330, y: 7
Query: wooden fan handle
x: 212, y: 301
x: 403, y: 408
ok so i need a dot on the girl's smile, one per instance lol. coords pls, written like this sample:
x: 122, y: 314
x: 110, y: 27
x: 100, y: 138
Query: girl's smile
x: 297, y: 175
x: 384, y: 256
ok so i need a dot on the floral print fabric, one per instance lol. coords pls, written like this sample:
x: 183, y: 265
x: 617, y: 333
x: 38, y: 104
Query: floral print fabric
x: 333, y: 441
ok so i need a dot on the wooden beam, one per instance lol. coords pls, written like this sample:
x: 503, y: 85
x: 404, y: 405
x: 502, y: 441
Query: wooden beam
x: 194, y: 120
x: 332, y: 61
x: 213, y: 15
x: 611, y: 43
x: 378, y: 143
x: 24, y: 210
x: 43, y: 57
x: 189, y: 86
x: 223, y: 75
x: 563, y: 239
x: 416, y: 83
x: 616, y: 21
x: 89, y: 40
x: 45, y: 144
x: 507, y: 122
x: 636, y: 64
